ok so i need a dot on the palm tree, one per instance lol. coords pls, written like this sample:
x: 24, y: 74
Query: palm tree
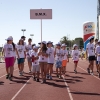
x: 64, y: 40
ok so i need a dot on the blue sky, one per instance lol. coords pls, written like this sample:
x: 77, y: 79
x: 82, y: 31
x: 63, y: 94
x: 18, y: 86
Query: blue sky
x: 68, y: 18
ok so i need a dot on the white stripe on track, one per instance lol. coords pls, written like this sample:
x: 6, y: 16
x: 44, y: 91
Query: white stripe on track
x: 6, y: 74
x: 86, y: 71
x: 70, y: 95
x: 20, y: 90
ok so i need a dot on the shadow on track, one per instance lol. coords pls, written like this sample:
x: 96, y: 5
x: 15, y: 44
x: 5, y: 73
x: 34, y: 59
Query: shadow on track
x: 1, y: 83
x: 55, y: 85
x: 85, y: 93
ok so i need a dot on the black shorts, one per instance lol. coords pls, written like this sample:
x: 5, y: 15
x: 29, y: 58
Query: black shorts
x: 91, y: 58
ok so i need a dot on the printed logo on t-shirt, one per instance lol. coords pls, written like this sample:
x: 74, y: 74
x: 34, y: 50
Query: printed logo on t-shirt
x: 91, y: 48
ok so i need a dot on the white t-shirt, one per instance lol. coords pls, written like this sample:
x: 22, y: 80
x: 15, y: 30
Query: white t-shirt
x: 90, y: 50
x: 43, y: 58
x: 75, y: 55
x: 65, y: 53
x: 36, y: 62
x: 28, y: 47
x: 59, y: 53
x: 50, y: 52
x: 98, y: 52
x: 8, y: 50
x: 21, y: 50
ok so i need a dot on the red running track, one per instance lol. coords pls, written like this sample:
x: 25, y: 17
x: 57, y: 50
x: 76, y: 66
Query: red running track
x: 80, y: 86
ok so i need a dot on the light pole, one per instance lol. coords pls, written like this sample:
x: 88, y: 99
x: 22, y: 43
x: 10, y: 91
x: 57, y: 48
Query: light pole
x: 23, y: 31
x: 32, y: 37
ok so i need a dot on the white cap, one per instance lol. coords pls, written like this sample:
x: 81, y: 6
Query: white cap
x: 58, y: 43
x: 49, y: 42
x: 9, y: 38
x: 90, y: 37
x: 35, y: 47
x: 75, y: 45
x: 42, y: 42
x: 63, y: 45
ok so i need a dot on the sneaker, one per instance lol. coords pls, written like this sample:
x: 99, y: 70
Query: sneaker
x: 34, y: 78
x: 88, y: 70
x: 57, y: 75
x: 50, y: 77
x: 10, y: 78
x: 37, y: 80
x: 47, y: 76
x: 7, y: 76
x: 30, y: 71
x: 42, y: 82
x: 60, y: 77
x: 91, y: 73
x: 75, y: 71
x: 97, y: 71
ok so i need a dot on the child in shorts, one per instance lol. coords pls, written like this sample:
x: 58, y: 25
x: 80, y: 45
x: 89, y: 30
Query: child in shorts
x: 35, y: 63
x: 65, y: 58
x: 75, y: 56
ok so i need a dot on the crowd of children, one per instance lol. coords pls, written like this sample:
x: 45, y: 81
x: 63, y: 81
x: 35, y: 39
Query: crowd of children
x: 42, y: 58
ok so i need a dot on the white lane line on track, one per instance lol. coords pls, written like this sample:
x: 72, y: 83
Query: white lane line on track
x: 86, y: 71
x: 6, y: 74
x: 67, y: 87
x: 20, y: 90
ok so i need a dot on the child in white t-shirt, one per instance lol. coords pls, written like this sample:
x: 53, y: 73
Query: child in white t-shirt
x: 58, y: 57
x: 9, y: 57
x: 50, y: 52
x: 98, y: 56
x: 65, y: 58
x: 35, y: 63
x: 21, y: 56
x: 28, y: 48
x: 75, y: 56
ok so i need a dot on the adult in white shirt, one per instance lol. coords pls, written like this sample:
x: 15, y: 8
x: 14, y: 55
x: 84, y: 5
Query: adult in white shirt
x: 98, y: 56
x: 9, y: 57
x: 21, y: 56
x: 90, y: 53
x: 50, y: 52
x: 35, y: 63
x: 58, y: 57
x: 28, y: 48
x: 75, y: 56
x: 43, y: 58
x: 65, y: 58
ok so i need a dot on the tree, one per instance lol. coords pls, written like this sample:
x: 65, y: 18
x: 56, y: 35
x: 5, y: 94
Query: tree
x: 79, y: 42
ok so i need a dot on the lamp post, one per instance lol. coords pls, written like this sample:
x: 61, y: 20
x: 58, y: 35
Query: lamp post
x: 32, y: 37
x: 23, y: 31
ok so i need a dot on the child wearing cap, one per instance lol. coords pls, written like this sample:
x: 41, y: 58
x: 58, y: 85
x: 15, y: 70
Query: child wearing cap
x: 98, y: 56
x: 21, y: 56
x: 43, y: 58
x: 28, y: 48
x: 50, y: 52
x: 58, y: 57
x: 9, y: 57
x: 35, y: 63
x: 90, y: 53
x: 75, y: 56
x: 65, y: 58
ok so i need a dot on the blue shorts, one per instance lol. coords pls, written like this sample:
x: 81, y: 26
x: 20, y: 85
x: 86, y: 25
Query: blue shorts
x: 20, y: 60
x: 58, y: 64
